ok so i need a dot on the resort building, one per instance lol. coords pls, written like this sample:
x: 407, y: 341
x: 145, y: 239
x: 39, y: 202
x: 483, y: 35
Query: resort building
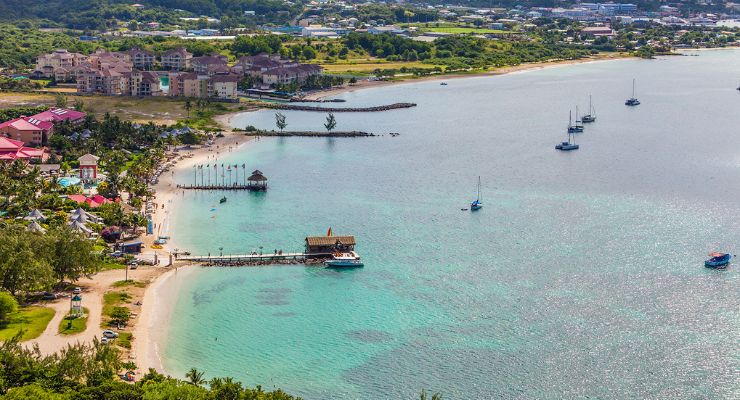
x: 59, y: 62
x: 288, y: 75
x: 143, y: 83
x: 88, y: 168
x: 191, y: 84
x: 176, y: 59
x: 56, y: 115
x: 11, y: 150
x: 27, y: 130
x: 224, y: 86
x: 142, y: 59
x: 209, y: 64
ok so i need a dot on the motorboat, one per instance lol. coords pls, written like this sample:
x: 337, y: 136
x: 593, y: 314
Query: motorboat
x: 718, y: 260
x: 344, y: 260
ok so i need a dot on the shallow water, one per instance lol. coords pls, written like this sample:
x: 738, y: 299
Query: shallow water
x: 581, y: 276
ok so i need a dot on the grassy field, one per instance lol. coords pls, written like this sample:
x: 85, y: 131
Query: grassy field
x: 160, y: 110
x: 124, y: 339
x: 462, y: 30
x: 111, y: 300
x: 130, y: 282
x: 78, y: 324
x: 367, y: 66
x: 32, y: 320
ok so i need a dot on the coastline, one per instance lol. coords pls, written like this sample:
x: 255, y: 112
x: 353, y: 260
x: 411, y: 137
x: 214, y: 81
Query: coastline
x: 160, y: 296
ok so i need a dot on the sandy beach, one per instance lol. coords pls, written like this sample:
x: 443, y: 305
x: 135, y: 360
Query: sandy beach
x: 160, y: 296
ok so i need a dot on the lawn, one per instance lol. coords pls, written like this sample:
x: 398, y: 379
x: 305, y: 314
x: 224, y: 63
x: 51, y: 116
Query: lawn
x: 461, y: 30
x: 130, y: 282
x: 114, y: 299
x: 367, y: 66
x: 124, y: 339
x: 32, y: 320
x: 78, y: 324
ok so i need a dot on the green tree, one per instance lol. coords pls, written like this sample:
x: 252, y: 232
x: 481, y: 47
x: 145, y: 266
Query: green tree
x: 195, y: 377
x: 188, y: 106
x: 120, y: 315
x: 23, y: 268
x: 331, y: 122
x: 280, y: 121
x: 61, y: 101
x: 8, y: 305
x: 72, y: 255
x: 78, y: 105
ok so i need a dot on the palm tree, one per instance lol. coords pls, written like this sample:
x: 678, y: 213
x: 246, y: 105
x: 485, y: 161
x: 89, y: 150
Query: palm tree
x: 188, y: 106
x: 195, y: 377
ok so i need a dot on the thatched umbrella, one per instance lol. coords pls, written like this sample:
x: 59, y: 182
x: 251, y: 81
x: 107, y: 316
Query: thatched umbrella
x: 35, y: 227
x: 80, y: 227
x: 35, y: 215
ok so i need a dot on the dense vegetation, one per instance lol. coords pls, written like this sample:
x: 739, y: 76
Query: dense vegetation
x: 105, y: 14
x: 90, y: 372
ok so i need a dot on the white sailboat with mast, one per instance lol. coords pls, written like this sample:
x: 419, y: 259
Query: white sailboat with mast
x: 632, y: 101
x: 477, y: 204
x: 591, y: 116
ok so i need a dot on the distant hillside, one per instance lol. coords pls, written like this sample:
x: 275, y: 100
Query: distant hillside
x: 97, y: 14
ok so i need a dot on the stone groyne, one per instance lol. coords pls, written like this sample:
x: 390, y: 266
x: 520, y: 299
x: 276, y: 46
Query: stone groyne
x: 300, y: 100
x: 296, y: 107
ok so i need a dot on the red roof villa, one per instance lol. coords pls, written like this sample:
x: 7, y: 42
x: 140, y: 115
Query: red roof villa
x: 11, y: 150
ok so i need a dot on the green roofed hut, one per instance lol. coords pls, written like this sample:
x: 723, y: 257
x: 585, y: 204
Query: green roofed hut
x: 321, y: 246
x: 257, y: 181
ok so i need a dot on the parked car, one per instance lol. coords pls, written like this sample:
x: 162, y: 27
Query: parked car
x: 133, y: 265
x: 116, y: 254
x: 109, y: 334
x: 77, y: 290
x: 49, y: 296
x: 104, y: 340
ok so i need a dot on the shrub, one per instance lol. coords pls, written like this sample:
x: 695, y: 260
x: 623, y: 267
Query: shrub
x: 8, y: 305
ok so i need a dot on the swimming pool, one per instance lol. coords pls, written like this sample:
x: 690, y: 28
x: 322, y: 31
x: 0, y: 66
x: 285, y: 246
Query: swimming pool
x: 66, y: 181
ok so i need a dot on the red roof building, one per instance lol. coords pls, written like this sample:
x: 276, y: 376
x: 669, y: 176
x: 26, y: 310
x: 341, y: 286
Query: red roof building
x: 11, y: 150
x: 55, y: 115
x: 94, y: 202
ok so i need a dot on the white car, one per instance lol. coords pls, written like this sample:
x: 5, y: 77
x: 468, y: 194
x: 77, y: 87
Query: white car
x: 104, y: 340
x: 109, y: 334
x: 77, y: 290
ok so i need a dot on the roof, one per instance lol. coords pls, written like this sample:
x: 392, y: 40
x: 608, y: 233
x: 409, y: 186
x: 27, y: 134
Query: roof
x: 330, y: 240
x: 257, y: 176
x: 59, y: 114
x: 88, y: 159
x: 27, y: 124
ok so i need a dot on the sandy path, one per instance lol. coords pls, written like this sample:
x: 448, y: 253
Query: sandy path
x: 51, y: 341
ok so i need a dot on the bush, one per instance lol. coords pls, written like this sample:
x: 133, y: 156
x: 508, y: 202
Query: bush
x: 8, y: 305
x: 120, y: 315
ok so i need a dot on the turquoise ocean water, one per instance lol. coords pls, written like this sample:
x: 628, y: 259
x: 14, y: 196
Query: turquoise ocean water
x: 581, y: 277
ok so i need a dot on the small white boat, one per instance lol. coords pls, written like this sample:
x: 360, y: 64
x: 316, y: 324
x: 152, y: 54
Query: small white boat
x: 344, y: 260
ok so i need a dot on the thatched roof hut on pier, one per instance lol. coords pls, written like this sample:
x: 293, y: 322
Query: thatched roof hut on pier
x: 326, y: 245
x: 257, y: 181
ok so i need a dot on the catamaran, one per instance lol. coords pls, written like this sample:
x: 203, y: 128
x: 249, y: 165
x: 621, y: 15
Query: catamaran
x: 591, y: 116
x: 577, y: 128
x: 567, y: 146
x: 632, y: 101
x: 477, y: 204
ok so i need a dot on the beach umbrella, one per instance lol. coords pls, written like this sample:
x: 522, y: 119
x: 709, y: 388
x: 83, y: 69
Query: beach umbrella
x: 80, y: 227
x: 35, y: 215
x: 35, y: 227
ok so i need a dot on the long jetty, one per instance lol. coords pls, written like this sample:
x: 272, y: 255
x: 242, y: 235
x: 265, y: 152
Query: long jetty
x: 252, y: 259
x: 314, y: 134
x: 296, y: 107
x: 253, y: 188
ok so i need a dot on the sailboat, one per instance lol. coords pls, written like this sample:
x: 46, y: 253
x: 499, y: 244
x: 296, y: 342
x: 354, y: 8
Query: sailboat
x: 574, y: 128
x: 567, y: 146
x: 632, y: 101
x: 591, y: 116
x: 477, y: 204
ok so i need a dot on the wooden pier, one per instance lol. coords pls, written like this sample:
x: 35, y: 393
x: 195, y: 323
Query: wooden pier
x: 257, y: 182
x: 318, y: 249
x: 254, y: 188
